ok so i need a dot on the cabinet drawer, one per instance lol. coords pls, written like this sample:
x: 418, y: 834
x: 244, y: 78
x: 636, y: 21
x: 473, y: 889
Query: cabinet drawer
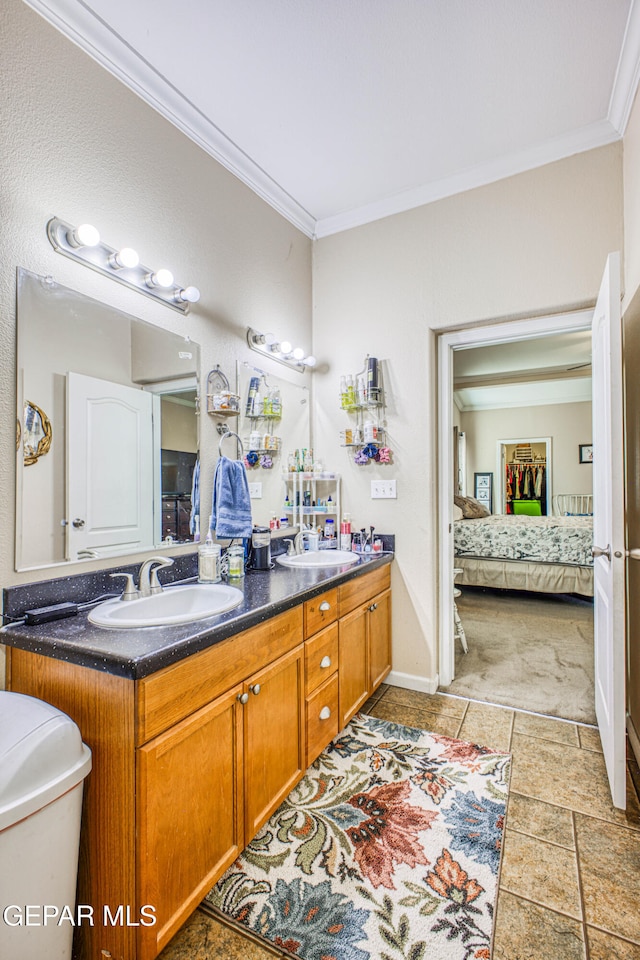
x: 320, y: 612
x: 320, y: 657
x: 166, y: 697
x: 322, y: 728
x: 355, y: 592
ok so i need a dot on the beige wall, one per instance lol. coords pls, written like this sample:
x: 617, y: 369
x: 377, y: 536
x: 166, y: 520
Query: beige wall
x: 568, y: 425
x: 79, y: 145
x: 530, y: 244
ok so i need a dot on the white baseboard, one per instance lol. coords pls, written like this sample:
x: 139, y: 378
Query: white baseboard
x: 634, y: 738
x: 410, y: 682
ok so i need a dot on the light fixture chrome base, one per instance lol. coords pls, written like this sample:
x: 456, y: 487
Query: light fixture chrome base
x: 101, y: 258
x: 257, y: 342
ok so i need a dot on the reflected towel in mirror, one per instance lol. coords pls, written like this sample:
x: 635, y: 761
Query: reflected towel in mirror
x: 231, y: 506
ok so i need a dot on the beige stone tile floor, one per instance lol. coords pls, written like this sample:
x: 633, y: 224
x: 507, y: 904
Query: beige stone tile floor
x: 570, y: 878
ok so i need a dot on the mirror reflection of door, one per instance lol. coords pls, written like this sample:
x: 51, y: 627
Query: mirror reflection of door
x: 109, y: 467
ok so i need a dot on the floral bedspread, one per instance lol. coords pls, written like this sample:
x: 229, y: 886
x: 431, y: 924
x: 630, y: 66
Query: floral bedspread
x: 543, y: 539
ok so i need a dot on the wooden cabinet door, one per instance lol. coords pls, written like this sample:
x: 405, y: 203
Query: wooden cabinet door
x: 274, y: 740
x: 379, y: 616
x: 353, y: 658
x: 189, y: 808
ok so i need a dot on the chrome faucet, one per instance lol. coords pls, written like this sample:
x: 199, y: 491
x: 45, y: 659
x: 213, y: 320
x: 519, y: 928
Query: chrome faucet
x: 148, y: 582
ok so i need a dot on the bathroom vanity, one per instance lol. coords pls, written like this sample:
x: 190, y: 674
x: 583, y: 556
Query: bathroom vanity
x: 198, y: 733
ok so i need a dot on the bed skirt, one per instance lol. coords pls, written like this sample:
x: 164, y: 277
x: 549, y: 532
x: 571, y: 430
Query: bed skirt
x: 524, y: 575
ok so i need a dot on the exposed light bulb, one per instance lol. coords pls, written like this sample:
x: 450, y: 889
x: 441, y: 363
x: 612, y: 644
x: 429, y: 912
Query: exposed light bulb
x: 161, y: 278
x: 127, y: 257
x: 285, y: 347
x: 269, y: 339
x: 310, y: 361
x: 188, y: 295
x: 84, y: 236
x: 298, y: 353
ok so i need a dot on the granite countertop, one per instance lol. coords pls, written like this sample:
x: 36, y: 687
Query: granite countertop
x: 140, y: 651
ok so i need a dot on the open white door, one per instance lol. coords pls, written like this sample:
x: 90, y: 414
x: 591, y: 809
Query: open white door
x: 608, y: 528
x: 109, y: 467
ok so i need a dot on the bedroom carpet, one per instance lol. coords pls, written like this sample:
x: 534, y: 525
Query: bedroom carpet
x: 528, y: 651
x: 389, y: 847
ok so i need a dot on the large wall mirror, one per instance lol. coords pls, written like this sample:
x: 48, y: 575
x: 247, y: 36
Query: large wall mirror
x: 107, y: 429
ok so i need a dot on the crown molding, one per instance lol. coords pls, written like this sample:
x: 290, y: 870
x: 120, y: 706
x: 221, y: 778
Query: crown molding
x: 627, y: 76
x: 93, y: 35
x: 578, y: 141
x: 89, y: 32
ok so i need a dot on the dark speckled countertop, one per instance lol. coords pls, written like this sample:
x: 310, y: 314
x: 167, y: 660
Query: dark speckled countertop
x: 138, y: 652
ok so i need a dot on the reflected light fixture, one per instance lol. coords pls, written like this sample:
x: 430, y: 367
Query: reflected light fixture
x: 83, y: 244
x: 282, y: 351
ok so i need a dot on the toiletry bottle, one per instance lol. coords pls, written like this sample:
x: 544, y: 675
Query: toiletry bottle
x: 235, y: 561
x: 196, y: 532
x: 330, y: 528
x: 250, y: 409
x: 343, y: 393
x: 276, y: 402
x: 345, y: 533
x: 351, y: 393
x: 373, y: 382
x: 209, y: 561
x: 368, y: 431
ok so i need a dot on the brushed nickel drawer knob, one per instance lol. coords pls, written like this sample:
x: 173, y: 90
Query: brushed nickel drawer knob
x: 255, y: 689
x: 243, y: 697
x: 325, y: 662
x: 325, y: 713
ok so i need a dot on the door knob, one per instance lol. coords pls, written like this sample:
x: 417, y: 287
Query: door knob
x: 255, y: 689
x: 602, y: 552
x: 78, y: 523
x: 243, y: 697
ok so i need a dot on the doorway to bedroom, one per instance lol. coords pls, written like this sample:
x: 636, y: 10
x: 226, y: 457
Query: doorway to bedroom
x: 520, y: 403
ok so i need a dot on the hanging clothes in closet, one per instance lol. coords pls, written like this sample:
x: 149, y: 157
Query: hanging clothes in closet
x: 526, y: 481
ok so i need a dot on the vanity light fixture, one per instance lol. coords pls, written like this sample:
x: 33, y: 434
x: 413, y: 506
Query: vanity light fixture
x: 84, y: 245
x: 282, y: 351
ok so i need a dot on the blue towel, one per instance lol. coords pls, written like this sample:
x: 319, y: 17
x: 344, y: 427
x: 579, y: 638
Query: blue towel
x: 195, y: 498
x: 231, y: 507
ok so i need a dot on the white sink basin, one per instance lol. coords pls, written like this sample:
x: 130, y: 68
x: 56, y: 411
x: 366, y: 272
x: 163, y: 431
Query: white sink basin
x: 194, y: 601
x: 319, y: 558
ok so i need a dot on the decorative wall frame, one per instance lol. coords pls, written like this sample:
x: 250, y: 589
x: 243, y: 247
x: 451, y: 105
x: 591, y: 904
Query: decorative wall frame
x: 483, y: 489
x: 585, y: 453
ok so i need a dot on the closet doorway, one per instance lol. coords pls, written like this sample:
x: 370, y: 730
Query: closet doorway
x: 528, y: 335
x: 525, y: 471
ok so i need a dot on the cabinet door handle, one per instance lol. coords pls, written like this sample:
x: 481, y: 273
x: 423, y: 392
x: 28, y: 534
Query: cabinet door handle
x: 325, y: 662
x: 243, y: 697
x: 325, y: 713
x: 325, y: 605
x: 255, y: 689
x: 374, y: 606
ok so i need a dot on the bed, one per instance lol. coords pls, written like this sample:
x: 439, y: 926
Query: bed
x: 542, y: 554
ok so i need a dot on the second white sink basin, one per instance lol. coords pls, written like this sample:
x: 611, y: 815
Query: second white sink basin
x: 194, y: 601
x: 319, y: 558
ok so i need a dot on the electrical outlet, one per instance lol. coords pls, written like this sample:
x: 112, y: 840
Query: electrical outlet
x: 383, y: 490
x: 255, y: 491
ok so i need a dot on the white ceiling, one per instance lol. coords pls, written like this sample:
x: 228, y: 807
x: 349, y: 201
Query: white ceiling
x: 523, y: 373
x: 339, y: 112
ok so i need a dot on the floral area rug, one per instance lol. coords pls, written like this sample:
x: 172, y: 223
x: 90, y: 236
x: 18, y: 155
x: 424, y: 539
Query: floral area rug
x: 388, y: 848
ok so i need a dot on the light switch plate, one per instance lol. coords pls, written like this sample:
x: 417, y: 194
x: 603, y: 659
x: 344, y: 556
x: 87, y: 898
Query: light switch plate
x: 383, y: 490
x: 255, y: 491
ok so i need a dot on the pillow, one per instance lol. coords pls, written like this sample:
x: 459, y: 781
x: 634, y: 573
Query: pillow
x: 471, y: 508
x: 457, y: 512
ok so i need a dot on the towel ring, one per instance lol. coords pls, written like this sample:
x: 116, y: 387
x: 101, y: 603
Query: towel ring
x: 225, y: 435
